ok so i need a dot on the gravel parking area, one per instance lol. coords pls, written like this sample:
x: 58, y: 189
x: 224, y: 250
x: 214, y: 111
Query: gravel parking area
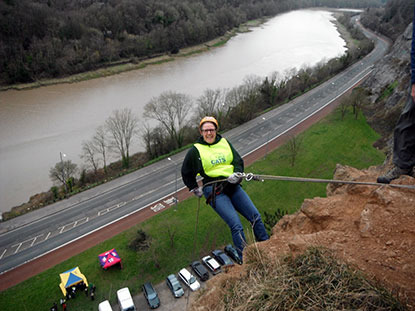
x: 167, y: 301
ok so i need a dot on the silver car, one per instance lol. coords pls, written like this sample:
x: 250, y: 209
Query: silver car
x: 174, y: 285
x: 212, y: 264
x: 189, y: 279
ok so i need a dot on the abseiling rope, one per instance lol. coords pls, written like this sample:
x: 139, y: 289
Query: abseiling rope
x: 251, y: 176
x: 317, y: 180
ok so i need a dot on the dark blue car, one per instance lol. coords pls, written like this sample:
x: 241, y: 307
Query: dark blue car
x: 222, y: 258
x: 231, y: 251
x: 151, y: 295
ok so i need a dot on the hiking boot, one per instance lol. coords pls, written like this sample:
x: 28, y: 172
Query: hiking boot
x: 394, y: 173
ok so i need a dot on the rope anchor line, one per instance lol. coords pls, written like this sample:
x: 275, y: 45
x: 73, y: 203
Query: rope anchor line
x: 251, y: 176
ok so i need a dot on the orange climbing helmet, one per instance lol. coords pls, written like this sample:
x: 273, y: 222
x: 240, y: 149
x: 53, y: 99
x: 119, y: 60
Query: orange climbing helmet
x: 209, y: 119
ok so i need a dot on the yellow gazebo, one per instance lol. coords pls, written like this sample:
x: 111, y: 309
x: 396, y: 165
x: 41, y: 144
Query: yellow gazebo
x: 70, y: 278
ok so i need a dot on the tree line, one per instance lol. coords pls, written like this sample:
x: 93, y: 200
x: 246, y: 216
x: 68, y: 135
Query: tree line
x: 41, y: 39
x: 391, y: 20
x: 174, y: 117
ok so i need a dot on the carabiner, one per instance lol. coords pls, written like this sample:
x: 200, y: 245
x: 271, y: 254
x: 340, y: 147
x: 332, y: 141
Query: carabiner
x: 249, y: 176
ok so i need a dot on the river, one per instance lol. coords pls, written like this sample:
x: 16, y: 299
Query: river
x: 36, y: 125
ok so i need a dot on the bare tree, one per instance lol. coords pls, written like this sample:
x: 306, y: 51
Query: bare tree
x: 122, y: 125
x: 293, y: 148
x: 246, y: 108
x: 89, y: 154
x: 234, y: 96
x: 209, y: 102
x: 171, y: 228
x: 146, y: 138
x: 171, y: 109
x: 344, y: 104
x: 251, y: 85
x: 100, y: 144
x: 359, y: 98
x: 214, y: 103
x: 62, y: 172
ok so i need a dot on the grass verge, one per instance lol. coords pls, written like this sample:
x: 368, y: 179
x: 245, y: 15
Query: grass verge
x: 172, y: 233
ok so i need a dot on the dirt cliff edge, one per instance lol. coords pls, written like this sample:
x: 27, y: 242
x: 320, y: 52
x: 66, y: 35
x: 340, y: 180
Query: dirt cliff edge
x: 371, y: 228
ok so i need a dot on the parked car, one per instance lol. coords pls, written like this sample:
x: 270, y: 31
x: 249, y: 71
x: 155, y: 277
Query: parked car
x: 125, y: 300
x: 104, y: 306
x: 222, y: 258
x: 189, y: 279
x: 151, y: 295
x: 200, y: 270
x: 231, y: 251
x: 212, y: 264
x: 174, y: 285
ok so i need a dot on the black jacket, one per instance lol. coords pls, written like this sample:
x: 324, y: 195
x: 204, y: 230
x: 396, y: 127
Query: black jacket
x: 192, y: 165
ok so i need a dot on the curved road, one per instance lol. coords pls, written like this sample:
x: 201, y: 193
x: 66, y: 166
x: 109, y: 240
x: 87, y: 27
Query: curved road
x: 149, y: 190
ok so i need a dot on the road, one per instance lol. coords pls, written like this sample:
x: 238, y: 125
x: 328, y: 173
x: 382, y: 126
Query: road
x: 152, y: 189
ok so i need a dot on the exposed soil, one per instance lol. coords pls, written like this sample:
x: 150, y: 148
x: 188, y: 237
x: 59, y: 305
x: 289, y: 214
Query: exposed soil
x: 371, y: 228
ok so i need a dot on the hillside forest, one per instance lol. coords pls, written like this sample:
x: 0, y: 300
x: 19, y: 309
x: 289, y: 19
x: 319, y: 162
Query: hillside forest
x: 390, y: 20
x: 43, y: 39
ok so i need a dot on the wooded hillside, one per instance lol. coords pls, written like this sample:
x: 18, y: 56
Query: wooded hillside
x: 391, y: 20
x: 42, y: 39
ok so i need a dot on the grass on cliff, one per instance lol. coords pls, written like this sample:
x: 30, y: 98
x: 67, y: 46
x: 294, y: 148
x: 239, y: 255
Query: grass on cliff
x: 314, y: 280
x: 172, y: 233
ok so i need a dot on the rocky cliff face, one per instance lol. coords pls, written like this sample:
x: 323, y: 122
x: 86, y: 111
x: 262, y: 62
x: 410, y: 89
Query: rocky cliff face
x: 369, y: 227
x: 389, y: 87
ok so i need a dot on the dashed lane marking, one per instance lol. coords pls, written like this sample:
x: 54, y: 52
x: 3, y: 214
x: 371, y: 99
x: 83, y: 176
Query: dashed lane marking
x: 111, y: 208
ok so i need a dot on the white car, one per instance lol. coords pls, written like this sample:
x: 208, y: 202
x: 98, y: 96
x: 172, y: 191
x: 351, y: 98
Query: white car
x: 104, y: 306
x: 125, y: 300
x: 212, y: 264
x: 189, y: 279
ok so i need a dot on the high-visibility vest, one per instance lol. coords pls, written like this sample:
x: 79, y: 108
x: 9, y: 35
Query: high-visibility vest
x: 216, y: 159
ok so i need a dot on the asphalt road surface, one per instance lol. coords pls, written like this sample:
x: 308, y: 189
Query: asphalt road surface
x: 121, y: 203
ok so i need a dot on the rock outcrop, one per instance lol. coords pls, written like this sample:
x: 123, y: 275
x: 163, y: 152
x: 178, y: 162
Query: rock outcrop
x: 389, y: 87
x: 371, y: 228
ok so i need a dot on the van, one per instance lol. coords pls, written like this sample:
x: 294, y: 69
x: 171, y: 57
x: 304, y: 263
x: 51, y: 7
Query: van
x: 125, y: 300
x: 104, y: 306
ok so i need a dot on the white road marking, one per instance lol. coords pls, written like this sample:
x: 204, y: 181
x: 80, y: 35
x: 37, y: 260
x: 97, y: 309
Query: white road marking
x: 4, y: 252
x: 17, y: 249
x: 157, y: 207
x: 34, y: 239
x: 170, y: 201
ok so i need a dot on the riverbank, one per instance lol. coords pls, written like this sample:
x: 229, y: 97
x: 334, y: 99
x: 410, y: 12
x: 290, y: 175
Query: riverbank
x: 125, y: 65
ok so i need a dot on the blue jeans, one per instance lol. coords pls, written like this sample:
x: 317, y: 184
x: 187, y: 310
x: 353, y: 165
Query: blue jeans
x: 227, y: 207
